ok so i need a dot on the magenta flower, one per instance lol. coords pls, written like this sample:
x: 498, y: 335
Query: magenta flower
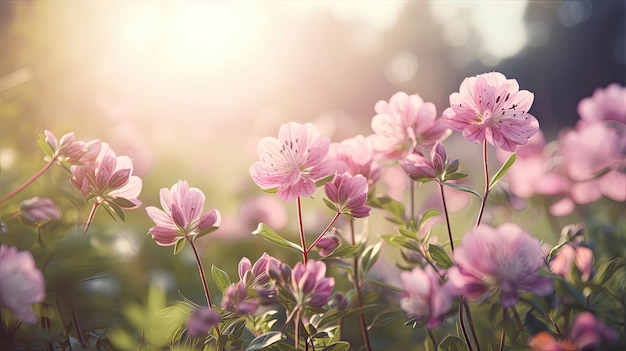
x: 356, y: 156
x: 502, y: 262
x: 310, y: 285
x: 202, y: 320
x: 437, y: 168
x: 327, y: 244
x: 348, y: 195
x: 606, y: 104
x: 257, y: 274
x: 21, y: 283
x: 404, y: 124
x: 292, y: 163
x: 38, y: 210
x: 181, y: 216
x: 68, y: 149
x: 573, y: 254
x: 424, y: 298
x: 491, y: 107
x: 237, y: 301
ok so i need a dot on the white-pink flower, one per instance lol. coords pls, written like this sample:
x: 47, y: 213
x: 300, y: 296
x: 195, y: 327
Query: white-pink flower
x: 357, y: 156
x: 424, y: 297
x: 70, y: 150
x: 606, y: 104
x: 491, y: 107
x: 292, y: 163
x: 21, y: 283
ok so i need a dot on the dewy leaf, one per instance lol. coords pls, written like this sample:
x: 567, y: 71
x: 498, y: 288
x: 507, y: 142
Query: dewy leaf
x: 465, y: 188
x: 440, y: 256
x: 179, y: 245
x: 266, y: 232
x: 221, y: 278
x: 263, y: 341
x: 452, y: 343
x: 502, y: 171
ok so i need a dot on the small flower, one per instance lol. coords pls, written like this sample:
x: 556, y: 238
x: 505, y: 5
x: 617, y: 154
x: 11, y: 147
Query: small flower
x: 501, y: 262
x: 328, y: 244
x: 21, y: 283
x: 38, y: 210
x: 490, y: 106
x: 309, y: 284
x: 573, y: 254
x: 530, y: 167
x: 586, y: 334
x: 606, y: 104
x: 356, y: 156
x: 292, y: 163
x: 348, y: 195
x: 437, y: 168
x: 237, y: 301
x: 418, y: 167
x: 404, y: 124
x: 424, y: 297
x: 181, y: 217
x: 257, y: 275
x: 70, y: 150
x: 202, y: 320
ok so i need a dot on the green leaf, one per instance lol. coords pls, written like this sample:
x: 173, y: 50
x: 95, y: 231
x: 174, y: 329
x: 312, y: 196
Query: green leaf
x: 555, y: 250
x: 411, y: 234
x: 385, y: 285
x: 430, y: 213
x: 455, y: 176
x: 460, y: 187
x: 330, y: 204
x: 502, y: 171
x: 47, y: 150
x: 338, y: 346
x: 399, y: 240
x: 266, y: 232
x: 263, y: 341
x: 607, y: 269
x: 179, y: 245
x: 393, y: 207
x: 270, y: 191
x: 344, y: 251
x: 113, y: 210
x: 452, y: 343
x: 324, y: 180
x: 221, y: 278
x: 440, y: 256
x: 370, y: 256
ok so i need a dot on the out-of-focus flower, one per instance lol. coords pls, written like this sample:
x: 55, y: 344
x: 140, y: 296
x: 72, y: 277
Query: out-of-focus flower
x: 491, y: 107
x: 68, y: 149
x: 181, y: 216
x: 202, y: 320
x: 348, y: 195
x: 292, y: 163
x: 570, y: 254
x: 404, y: 124
x: 586, y: 334
x: 501, y: 262
x: 531, y: 165
x: 37, y: 210
x: 606, y: 104
x: 424, y: 297
x: 266, y: 209
x: 437, y: 168
x: 327, y: 244
x: 21, y: 283
x: 236, y: 300
x: 356, y: 156
x: 310, y: 285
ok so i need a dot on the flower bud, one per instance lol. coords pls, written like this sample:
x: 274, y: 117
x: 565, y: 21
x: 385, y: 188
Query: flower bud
x: 37, y: 210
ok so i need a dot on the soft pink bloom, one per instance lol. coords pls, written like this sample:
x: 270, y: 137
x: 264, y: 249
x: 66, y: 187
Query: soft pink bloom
x: 292, y: 163
x: 424, y: 298
x: 181, y: 216
x: 70, y: 150
x: 491, y: 107
x: 109, y: 178
x: 236, y: 300
x: 573, y: 254
x: 266, y: 209
x: 310, y: 285
x: 502, y: 262
x: 348, y: 195
x: 356, y: 156
x: 202, y: 320
x: 404, y: 124
x: 38, y: 209
x: 586, y: 334
x: 327, y: 244
x: 21, y: 283
x: 421, y: 169
x: 257, y: 274
x: 606, y: 104
x: 531, y: 165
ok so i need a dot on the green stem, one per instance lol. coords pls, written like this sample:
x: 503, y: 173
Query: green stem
x: 330, y: 225
x: 445, y: 212
x: 484, y: 200
x: 503, y: 335
x: 357, y: 289
x: 29, y: 181
x: 305, y: 252
x: 462, y: 322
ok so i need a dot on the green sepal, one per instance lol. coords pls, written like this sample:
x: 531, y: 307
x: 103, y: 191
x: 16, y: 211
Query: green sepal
x: 179, y: 245
x: 47, y: 149
x: 464, y: 188
x: 326, y: 179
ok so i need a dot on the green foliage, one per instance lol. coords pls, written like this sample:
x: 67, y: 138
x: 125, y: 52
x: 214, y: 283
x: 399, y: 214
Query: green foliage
x: 439, y: 255
x: 502, y: 171
x: 267, y: 233
x: 452, y: 343
x: 221, y: 278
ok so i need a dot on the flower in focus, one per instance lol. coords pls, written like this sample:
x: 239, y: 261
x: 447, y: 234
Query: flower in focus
x: 327, y: 244
x: 606, y: 104
x: 573, y: 254
x: 348, y: 195
x: 356, y: 156
x: 500, y: 262
x: 21, y: 283
x: 202, y: 320
x: 38, y: 210
x: 236, y: 300
x: 292, y: 163
x: 424, y: 297
x: 586, y: 334
x: 257, y: 274
x: 438, y: 168
x: 404, y: 124
x: 67, y: 149
x: 181, y: 216
x: 309, y: 284
x: 491, y: 107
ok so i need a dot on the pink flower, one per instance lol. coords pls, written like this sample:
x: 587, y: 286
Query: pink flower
x: 573, y: 254
x: 500, y: 262
x: 237, y: 301
x: 606, y: 104
x: 404, y: 124
x: 264, y: 208
x: 356, y: 156
x: 181, y: 217
x: 530, y: 166
x: 328, y: 244
x: 348, y: 195
x: 424, y: 298
x: 309, y: 284
x: 292, y: 163
x: 69, y: 150
x: 38, y: 210
x: 586, y: 334
x: 438, y: 168
x: 491, y: 107
x: 258, y: 274
x: 202, y: 320
x: 21, y: 283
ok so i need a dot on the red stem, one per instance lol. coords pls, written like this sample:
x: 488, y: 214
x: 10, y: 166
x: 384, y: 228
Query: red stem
x: 330, y: 225
x: 29, y: 181
x: 92, y: 213
x: 305, y: 252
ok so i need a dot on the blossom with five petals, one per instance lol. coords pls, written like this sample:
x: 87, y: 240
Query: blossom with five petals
x: 292, y: 163
x: 491, y: 107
